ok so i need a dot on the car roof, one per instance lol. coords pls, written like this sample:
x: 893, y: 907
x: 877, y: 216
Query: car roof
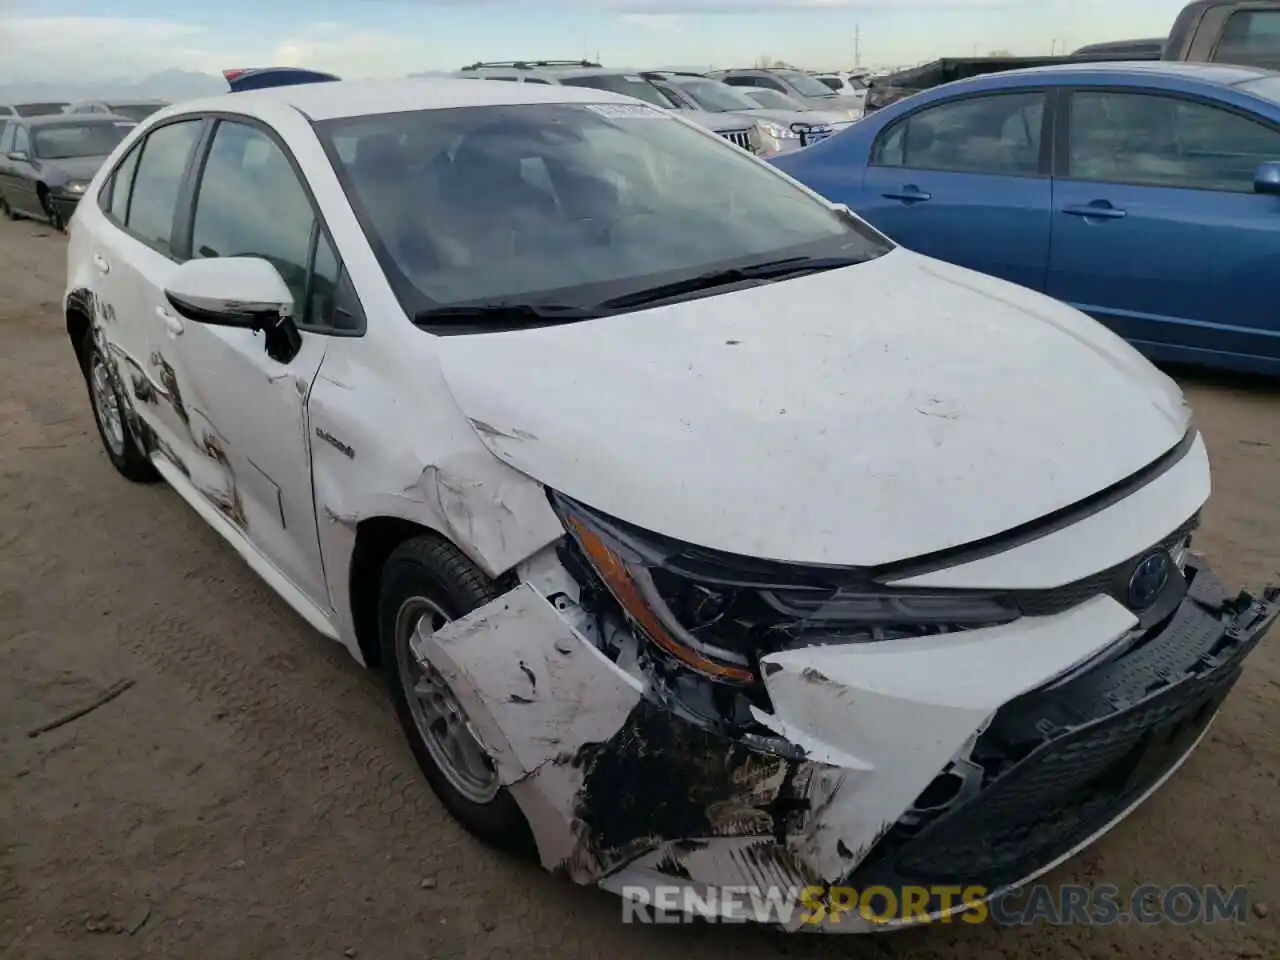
x: 559, y: 72
x: 354, y: 98
x: 1217, y: 74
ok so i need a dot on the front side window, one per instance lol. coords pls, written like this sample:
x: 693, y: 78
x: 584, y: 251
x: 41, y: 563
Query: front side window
x: 568, y: 203
x: 250, y: 203
x: 66, y: 141
x: 831, y: 83
x: 159, y: 180
x: 7, y: 130
x: 998, y: 134
x: 1162, y: 141
x: 1251, y: 37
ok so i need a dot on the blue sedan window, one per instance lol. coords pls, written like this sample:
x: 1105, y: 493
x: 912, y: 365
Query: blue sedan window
x: 997, y: 134
x: 1165, y: 141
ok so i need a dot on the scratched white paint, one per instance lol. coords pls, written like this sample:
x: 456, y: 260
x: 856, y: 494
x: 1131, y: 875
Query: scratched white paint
x: 859, y: 416
x: 903, y: 710
x: 537, y: 691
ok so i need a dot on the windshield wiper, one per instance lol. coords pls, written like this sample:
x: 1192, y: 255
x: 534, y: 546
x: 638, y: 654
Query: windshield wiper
x: 503, y: 313
x: 768, y: 270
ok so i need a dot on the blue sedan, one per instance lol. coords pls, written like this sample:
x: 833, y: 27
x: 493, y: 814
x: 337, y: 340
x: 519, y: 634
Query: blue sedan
x: 1146, y: 194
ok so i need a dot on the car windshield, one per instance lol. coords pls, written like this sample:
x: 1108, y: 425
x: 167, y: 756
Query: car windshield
x: 806, y: 84
x: 568, y: 203
x: 773, y: 100
x: 716, y: 97
x: 631, y: 86
x: 64, y: 141
x: 134, y: 111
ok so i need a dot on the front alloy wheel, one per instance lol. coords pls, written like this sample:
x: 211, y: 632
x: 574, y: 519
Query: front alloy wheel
x: 427, y: 582
x: 446, y: 732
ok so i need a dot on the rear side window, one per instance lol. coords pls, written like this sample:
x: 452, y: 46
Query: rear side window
x: 121, y: 184
x: 631, y: 86
x: 21, y: 143
x: 997, y: 134
x: 1251, y: 37
x: 158, y: 181
x: 7, y: 131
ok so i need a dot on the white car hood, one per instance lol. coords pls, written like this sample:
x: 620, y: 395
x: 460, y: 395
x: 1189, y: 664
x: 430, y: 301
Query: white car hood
x: 856, y: 417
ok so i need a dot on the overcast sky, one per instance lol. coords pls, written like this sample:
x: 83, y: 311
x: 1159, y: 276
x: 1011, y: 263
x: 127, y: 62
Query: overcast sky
x: 51, y: 39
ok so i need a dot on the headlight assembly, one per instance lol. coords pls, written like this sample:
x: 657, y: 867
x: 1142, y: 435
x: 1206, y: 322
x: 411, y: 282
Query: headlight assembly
x: 776, y: 130
x: 719, y: 615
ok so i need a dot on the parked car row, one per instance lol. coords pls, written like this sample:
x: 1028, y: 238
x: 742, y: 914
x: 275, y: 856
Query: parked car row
x: 47, y: 161
x: 720, y: 102
x: 50, y: 150
x: 133, y: 109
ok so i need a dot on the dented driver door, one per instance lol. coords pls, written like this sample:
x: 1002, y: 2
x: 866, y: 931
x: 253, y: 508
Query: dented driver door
x: 246, y: 412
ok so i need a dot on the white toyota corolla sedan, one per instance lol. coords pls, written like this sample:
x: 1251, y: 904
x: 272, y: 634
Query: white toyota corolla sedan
x: 706, y: 538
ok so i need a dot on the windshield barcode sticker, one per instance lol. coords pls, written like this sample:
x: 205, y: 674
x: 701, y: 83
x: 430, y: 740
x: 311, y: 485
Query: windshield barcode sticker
x: 627, y: 111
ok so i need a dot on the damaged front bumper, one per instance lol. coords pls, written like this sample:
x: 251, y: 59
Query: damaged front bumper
x: 976, y: 759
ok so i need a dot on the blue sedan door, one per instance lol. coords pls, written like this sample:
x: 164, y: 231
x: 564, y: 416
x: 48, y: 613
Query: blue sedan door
x: 966, y: 180
x: 1157, y: 230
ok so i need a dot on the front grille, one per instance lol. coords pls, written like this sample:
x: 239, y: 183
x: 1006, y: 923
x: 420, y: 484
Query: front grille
x: 1040, y: 603
x: 739, y: 138
x: 1059, y: 764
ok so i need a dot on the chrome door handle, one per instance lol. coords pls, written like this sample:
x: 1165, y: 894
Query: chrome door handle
x: 1099, y: 209
x: 908, y: 194
x: 171, y: 323
x: 100, y: 262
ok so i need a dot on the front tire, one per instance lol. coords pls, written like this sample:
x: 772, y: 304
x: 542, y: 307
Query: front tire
x: 121, y: 444
x: 51, y: 212
x: 426, y: 583
x: 6, y: 209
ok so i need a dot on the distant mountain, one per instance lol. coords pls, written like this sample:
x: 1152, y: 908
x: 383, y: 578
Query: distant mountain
x: 171, y: 85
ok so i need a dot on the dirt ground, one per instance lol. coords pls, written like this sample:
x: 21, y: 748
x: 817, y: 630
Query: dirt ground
x: 251, y: 795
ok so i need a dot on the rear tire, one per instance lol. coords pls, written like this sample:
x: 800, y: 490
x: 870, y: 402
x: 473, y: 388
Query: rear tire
x: 427, y: 581
x: 110, y: 412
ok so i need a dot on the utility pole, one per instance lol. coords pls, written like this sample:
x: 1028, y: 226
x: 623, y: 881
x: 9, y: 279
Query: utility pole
x: 857, y: 46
